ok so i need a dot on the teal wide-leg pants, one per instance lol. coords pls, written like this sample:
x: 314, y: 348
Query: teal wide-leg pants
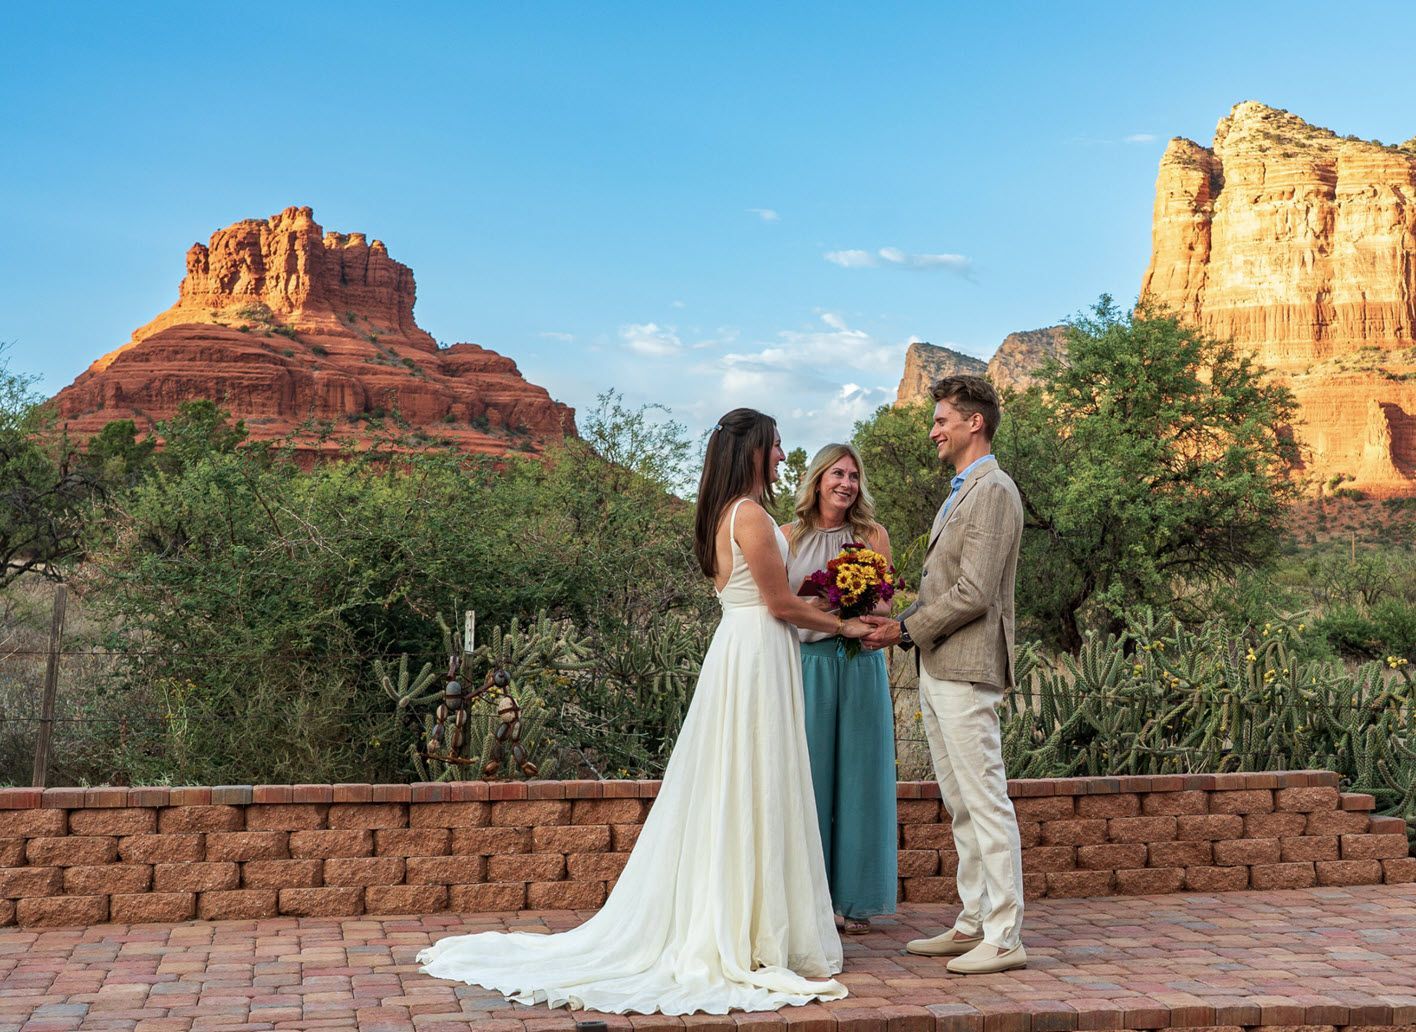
x: 850, y: 735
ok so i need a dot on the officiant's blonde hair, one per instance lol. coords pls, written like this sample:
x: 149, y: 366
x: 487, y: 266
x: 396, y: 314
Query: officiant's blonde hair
x: 860, y: 516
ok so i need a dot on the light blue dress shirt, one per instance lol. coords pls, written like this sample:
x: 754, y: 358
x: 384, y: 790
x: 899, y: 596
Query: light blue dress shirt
x: 957, y: 483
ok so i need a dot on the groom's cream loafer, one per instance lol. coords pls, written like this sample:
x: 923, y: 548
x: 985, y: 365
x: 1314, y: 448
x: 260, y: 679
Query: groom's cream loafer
x: 950, y: 944
x: 987, y: 959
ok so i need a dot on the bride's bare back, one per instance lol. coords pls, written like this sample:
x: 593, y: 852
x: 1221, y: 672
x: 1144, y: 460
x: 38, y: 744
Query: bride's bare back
x: 757, y: 537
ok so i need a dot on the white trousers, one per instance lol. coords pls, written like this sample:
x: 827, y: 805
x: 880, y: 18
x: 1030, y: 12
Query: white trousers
x: 961, y: 722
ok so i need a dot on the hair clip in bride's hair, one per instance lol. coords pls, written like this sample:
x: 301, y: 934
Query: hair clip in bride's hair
x: 717, y: 426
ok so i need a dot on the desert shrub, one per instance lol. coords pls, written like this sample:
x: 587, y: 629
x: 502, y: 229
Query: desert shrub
x: 248, y: 598
x: 1386, y: 629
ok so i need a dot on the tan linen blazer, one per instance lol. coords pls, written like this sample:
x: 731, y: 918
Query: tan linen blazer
x: 962, y: 621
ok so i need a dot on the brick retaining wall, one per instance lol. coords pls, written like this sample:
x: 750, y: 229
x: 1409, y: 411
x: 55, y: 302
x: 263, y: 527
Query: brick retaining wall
x: 75, y: 856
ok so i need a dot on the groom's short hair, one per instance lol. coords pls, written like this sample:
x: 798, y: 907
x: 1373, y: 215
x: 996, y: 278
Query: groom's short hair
x: 970, y: 394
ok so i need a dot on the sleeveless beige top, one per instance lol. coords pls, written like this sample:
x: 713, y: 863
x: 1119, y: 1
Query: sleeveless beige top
x: 811, y: 551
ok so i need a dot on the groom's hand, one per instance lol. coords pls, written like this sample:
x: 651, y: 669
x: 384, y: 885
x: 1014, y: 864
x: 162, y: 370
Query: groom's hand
x: 887, y: 632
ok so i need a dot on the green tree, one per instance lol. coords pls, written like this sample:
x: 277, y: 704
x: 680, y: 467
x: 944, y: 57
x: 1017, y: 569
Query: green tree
x: 251, y: 597
x: 789, y: 478
x: 199, y: 428
x: 645, y: 442
x: 42, y: 489
x: 1154, y: 466
x: 116, y: 455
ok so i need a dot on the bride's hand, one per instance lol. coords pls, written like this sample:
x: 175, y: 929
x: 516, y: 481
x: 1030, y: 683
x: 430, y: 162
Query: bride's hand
x: 855, y: 627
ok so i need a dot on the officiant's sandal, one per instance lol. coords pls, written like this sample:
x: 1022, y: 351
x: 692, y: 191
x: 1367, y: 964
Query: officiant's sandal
x: 987, y: 959
x: 950, y: 944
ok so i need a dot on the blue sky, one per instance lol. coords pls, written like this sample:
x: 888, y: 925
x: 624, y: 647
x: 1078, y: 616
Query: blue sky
x: 701, y: 205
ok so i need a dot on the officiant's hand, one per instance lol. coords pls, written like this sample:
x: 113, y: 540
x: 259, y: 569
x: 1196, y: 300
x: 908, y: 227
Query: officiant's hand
x: 884, y: 631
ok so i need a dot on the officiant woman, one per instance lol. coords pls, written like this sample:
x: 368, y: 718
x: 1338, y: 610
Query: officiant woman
x: 850, y: 725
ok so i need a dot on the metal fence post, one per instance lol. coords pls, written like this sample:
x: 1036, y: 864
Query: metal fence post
x: 51, y: 685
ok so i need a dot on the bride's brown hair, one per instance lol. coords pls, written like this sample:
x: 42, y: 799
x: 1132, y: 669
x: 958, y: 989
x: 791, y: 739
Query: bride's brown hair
x: 738, y: 457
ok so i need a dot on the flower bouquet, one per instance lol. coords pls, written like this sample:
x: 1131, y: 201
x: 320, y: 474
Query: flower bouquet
x: 852, y: 584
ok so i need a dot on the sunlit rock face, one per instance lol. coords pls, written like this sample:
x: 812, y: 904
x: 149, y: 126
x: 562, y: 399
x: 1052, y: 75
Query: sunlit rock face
x: 307, y: 333
x: 925, y: 363
x: 1300, y: 246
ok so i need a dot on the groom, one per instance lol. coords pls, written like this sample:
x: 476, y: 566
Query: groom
x: 962, y: 625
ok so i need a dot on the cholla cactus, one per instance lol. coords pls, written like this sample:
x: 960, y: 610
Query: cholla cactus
x: 408, y: 692
x: 476, y: 732
x: 1164, y: 699
x: 538, y: 748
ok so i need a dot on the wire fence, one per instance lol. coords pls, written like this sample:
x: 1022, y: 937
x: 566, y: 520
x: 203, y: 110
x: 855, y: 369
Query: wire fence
x: 100, y: 702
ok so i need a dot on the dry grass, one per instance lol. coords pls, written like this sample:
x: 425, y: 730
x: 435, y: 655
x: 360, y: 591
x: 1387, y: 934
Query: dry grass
x: 26, y: 609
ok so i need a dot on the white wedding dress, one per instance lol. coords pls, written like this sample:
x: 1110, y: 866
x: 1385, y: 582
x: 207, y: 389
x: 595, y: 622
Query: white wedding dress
x: 723, y: 903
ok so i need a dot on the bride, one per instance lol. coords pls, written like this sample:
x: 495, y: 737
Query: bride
x: 723, y: 903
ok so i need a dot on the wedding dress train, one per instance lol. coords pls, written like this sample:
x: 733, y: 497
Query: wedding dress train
x: 723, y: 903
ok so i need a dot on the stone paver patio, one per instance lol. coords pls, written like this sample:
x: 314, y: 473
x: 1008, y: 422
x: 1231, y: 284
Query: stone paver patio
x: 1318, y: 957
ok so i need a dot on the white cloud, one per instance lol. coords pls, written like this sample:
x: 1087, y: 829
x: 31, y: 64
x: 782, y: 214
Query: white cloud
x: 557, y: 335
x: 818, y: 378
x: 657, y: 341
x: 677, y: 304
x: 1140, y: 138
x: 953, y: 262
x: 853, y: 402
x: 721, y: 336
x: 857, y: 259
x: 850, y: 259
x: 651, y: 339
x: 818, y: 383
x: 765, y: 214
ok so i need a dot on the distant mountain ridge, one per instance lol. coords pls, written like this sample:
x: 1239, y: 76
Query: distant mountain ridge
x: 1012, y: 366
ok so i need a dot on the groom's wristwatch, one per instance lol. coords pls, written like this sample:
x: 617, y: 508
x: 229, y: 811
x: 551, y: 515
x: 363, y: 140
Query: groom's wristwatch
x: 906, y: 642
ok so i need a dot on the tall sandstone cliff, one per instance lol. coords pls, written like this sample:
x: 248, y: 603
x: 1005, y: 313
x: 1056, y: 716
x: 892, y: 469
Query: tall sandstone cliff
x: 1300, y: 246
x: 306, y: 333
x: 1015, y: 364
x: 925, y: 363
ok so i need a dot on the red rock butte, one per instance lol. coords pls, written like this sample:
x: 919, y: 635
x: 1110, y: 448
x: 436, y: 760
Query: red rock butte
x: 1300, y: 246
x: 310, y: 336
